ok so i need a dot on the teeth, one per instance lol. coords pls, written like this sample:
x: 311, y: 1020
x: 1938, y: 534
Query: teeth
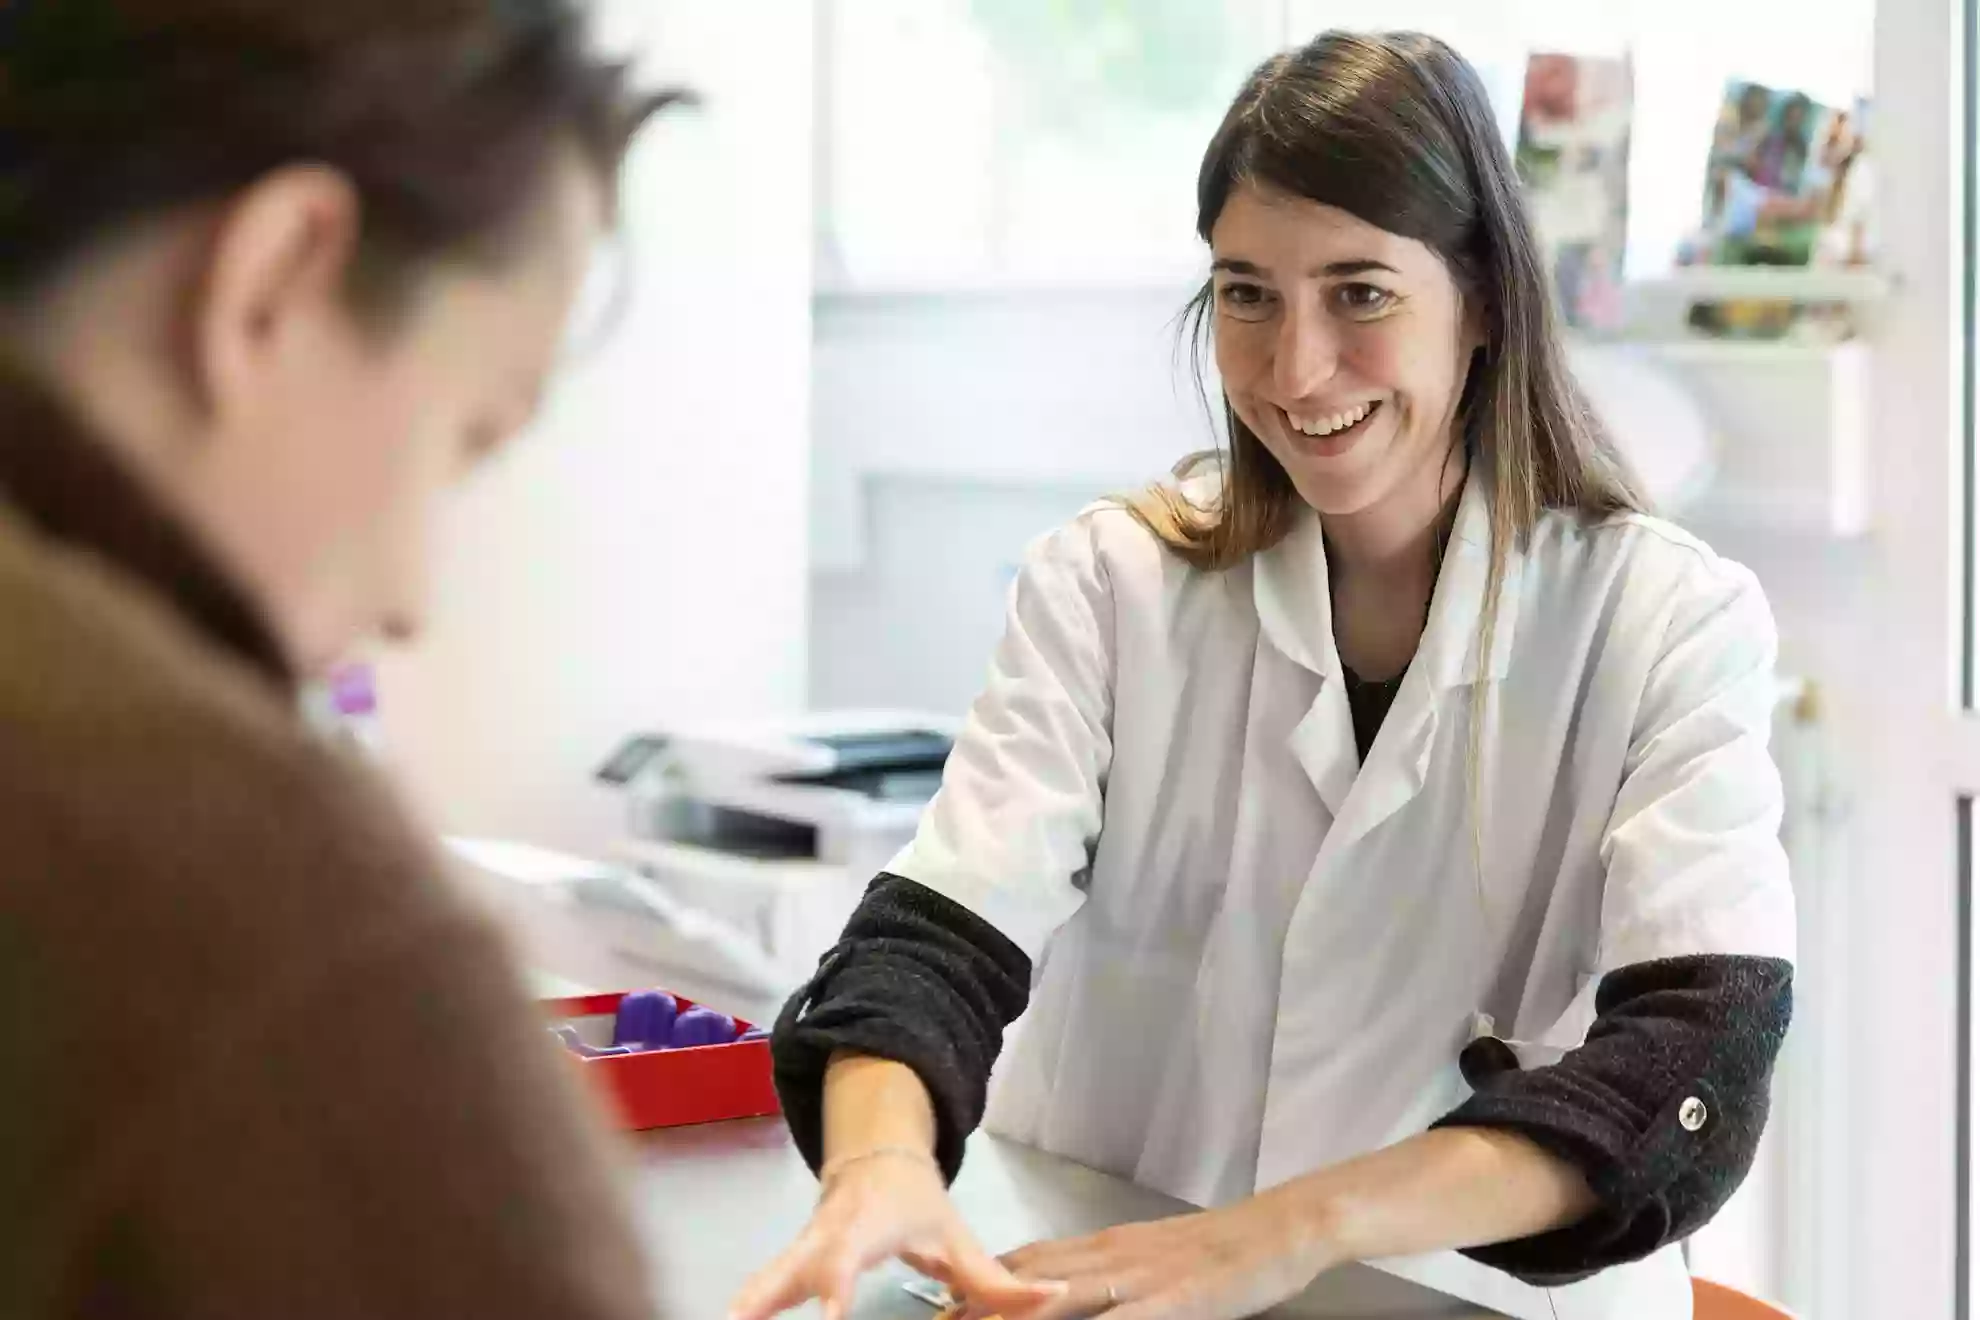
x: 1319, y: 426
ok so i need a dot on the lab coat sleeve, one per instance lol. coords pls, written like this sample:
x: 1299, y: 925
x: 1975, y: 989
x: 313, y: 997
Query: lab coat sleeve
x: 1662, y: 1105
x: 1010, y: 834
x: 937, y: 959
x: 1693, y: 855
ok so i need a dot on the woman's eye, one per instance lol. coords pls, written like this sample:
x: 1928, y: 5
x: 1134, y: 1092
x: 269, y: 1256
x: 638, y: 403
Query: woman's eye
x: 1247, y: 302
x: 1363, y: 300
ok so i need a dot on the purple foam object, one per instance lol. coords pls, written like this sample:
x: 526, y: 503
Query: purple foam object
x: 754, y: 1033
x: 354, y: 690
x: 703, y: 1026
x: 645, y: 1019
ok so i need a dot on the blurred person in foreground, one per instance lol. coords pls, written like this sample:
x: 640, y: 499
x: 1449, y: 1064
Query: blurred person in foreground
x: 273, y: 275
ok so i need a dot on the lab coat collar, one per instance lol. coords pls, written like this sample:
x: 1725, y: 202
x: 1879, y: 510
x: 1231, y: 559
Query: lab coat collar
x: 1295, y: 609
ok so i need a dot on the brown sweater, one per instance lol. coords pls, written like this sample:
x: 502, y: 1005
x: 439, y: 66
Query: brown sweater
x: 256, y: 1059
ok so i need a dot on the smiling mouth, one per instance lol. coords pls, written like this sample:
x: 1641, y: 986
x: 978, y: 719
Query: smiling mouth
x: 1337, y: 429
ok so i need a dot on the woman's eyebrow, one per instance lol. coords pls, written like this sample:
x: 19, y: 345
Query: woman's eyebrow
x: 1333, y: 269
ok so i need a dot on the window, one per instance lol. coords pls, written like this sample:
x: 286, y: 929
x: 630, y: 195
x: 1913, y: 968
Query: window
x: 968, y: 142
x: 1054, y: 142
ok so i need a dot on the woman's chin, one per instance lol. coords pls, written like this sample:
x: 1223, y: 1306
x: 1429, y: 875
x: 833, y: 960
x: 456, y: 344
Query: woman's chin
x: 1340, y: 484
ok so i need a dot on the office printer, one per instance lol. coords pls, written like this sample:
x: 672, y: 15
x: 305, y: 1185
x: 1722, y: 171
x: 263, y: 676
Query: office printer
x: 775, y: 828
x: 845, y: 788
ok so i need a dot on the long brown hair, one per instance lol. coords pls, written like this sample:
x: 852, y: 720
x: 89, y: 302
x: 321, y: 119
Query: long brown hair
x: 1396, y: 129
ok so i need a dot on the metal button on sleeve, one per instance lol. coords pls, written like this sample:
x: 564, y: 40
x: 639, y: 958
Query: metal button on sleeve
x: 1692, y: 1114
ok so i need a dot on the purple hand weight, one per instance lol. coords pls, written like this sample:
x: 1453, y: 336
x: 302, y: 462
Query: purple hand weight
x: 645, y: 1020
x: 703, y: 1026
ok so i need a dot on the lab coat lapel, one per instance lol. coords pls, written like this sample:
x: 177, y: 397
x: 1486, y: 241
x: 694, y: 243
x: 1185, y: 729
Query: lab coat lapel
x: 1397, y: 764
x: 1295, y: 614
x: 1449, y: 650
x: 1323, y: 743
x: 1447, y: 658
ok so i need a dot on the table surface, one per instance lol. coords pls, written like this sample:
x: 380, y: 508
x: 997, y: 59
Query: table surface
x: 717, y: 1201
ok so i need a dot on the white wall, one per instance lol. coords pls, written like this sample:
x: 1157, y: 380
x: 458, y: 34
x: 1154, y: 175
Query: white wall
x: 914, y: 629
x: 642, y: 555
x: 951, y: 430
x: 1079, y: 389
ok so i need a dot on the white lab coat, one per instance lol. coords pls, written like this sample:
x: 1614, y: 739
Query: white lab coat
x: 1255, y: 956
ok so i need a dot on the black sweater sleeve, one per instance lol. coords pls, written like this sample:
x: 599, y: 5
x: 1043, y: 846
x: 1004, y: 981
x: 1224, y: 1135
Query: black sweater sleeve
x: 1661, y: 1109
x: 919, y: 979
x: 916, y: 978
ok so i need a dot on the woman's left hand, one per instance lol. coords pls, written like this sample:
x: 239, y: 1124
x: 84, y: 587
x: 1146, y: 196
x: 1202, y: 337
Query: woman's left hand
x: 1222, y: 1264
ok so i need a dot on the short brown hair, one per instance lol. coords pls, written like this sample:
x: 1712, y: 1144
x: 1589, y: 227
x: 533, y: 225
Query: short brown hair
x: 444, y: 114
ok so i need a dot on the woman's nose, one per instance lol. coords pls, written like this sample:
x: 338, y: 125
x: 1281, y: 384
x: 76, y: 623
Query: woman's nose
x: 1306, y: 355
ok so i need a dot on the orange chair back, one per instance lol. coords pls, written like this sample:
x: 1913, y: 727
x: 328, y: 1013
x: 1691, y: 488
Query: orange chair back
x: 1715, y: 1301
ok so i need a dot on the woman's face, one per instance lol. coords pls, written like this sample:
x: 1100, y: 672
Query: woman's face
x: 1342, y: 347
x: 330, y: 440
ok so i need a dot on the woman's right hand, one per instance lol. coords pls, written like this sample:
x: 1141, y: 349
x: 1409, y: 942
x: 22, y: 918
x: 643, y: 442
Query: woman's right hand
x: 875, y: 1207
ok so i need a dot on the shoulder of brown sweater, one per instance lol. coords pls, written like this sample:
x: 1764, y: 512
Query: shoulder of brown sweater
x: 180, y: 845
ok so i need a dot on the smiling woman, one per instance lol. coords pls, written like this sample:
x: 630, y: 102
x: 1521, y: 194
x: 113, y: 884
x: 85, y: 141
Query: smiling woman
x: 1375, y: 826
x: 1377, y: 183
x: 1407, y: 273
x: 1314, y: 342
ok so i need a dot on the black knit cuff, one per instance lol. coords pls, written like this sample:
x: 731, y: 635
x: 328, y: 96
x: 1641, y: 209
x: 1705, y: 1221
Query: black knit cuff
x: 855, y: 1010
x: 920, y: 980
x: 1661, y: 1109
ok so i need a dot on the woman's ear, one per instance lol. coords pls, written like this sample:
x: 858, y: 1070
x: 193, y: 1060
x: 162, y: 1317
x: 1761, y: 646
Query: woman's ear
x: 279, y: 263
x: 1473, y: 324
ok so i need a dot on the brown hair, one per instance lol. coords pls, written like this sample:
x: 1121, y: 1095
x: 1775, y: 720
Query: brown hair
x: 444, y: 114
x: 1396, y: 129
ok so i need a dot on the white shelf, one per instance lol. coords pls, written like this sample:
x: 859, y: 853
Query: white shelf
x: 1854, y: 285
x: 1788, y: 353
x: 1657, y: 312
x: 1676, y: 291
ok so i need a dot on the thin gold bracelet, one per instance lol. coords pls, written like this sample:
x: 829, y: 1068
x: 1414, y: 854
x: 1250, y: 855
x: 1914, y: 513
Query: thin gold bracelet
x: 833, y: 1168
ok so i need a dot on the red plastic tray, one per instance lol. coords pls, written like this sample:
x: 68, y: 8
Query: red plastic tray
x: 673, y: 1088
